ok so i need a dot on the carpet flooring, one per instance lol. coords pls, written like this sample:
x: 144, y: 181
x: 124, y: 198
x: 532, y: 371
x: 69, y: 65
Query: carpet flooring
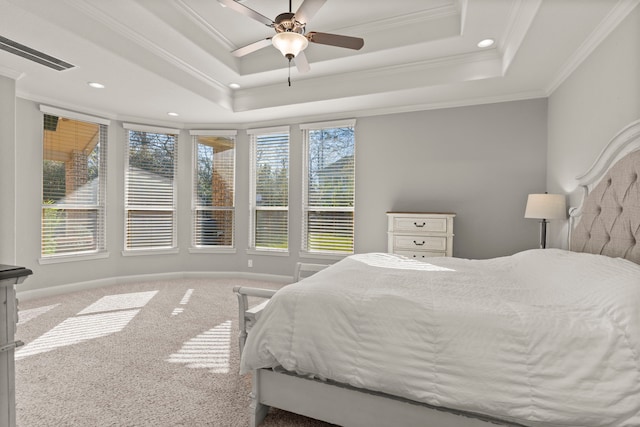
x: 161, y: 353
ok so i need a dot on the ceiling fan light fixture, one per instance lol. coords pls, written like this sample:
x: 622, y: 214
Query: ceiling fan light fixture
x: 290, y: 43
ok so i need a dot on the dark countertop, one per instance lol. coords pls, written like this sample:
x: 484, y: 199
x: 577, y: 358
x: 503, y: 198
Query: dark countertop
x: 13, y: 271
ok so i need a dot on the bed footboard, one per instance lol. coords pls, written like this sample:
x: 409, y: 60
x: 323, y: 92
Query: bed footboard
x: 248, y: 316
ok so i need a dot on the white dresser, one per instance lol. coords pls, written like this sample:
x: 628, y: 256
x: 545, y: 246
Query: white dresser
x: 10, y: 275
x: 420, y: 234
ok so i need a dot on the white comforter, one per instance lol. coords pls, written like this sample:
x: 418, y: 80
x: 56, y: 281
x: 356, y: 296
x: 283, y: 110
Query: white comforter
x: 544, y: 337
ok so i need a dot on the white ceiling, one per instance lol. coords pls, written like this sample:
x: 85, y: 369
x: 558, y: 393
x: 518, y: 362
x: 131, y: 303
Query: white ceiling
x: 156, y: 56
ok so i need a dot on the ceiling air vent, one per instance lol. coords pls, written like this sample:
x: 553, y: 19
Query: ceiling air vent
x: 33, y: 55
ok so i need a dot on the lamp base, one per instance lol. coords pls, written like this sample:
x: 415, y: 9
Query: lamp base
x: 543, y: 233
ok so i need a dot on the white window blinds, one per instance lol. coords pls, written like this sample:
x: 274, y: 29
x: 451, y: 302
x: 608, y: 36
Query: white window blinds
x: 150, y: 196
x: 328, y: 187
x: 213, y: 188
x: 73, y: 183
x: 270, y: 189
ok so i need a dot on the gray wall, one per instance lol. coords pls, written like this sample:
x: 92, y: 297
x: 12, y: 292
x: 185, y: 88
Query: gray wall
x: 479, y: 162
x: 596, y: 101
x: 7, y: 170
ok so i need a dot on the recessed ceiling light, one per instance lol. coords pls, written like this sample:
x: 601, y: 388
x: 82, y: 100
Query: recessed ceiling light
x: 486, y: 43
x: 172, y: 114
x: 96, y: 85
x: 234, y: 85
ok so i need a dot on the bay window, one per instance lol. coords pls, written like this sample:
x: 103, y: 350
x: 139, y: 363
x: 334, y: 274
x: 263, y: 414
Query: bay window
x: 269, y: 204
x: 328, y: 187
x: 73, y: 184
x: 150, y: 188
x: 213, y: 206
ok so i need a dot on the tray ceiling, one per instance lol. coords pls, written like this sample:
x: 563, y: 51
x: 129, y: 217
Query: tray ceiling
x: 156, y: 57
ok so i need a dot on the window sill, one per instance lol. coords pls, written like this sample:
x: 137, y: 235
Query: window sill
x: 72, y: 258
x: 212, y: 250
x: 142, y: 252
x: 267, y: 252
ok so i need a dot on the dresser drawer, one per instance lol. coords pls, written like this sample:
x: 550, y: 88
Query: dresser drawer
x: 420, y: 234
x: 420, y: 254
x: 418, y: 224
x: 422, y: 243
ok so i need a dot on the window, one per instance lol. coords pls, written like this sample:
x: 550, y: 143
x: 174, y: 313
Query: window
x: 270, y: 189
x: 214, y: 155
x: 150, y: 195
x: 73, y: 183
x: 328, y: 187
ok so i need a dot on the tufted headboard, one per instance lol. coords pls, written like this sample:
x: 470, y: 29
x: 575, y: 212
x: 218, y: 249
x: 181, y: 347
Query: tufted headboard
x: 608, y: 220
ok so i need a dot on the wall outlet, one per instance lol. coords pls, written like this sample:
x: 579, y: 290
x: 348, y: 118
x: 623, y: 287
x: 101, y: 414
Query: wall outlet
x: 250, y: 263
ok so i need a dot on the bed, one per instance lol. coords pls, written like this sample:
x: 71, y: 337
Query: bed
x: 546, y: 337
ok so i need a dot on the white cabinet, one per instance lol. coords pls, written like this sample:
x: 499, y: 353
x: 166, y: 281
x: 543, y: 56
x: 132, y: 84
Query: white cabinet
x: 420, y: 234
x: 10, y: 275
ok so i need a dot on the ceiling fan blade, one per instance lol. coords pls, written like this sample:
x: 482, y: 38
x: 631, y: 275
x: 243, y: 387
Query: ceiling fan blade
x: 301, y: 63
x: 250, y: 48
x: 336, y: 40
x: 238, y: 7
x: 307, y: 10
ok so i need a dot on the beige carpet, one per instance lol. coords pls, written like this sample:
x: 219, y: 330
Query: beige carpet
x: 159, y: 354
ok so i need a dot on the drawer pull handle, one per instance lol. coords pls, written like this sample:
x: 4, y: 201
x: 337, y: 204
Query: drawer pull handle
x: 418, y: 244
x: 419, y: 225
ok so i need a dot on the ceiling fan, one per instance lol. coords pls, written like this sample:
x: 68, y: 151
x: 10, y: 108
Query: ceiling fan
x: 291, y: 37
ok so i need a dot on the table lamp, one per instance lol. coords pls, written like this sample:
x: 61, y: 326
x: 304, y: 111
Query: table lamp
x: 544, y: 207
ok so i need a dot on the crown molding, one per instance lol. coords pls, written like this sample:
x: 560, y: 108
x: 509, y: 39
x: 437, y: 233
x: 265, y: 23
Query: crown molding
x: 617, y: 14
x: 55, y: 102
x: 382, y: 111
x: 520, y: 19
x: 146, y: 121
x: 430, y: 72
x: 11, y: 73
x: 464, y: 102
x: 439, y: 12
x: 144, y: 42
x: 204, y: 25
x: 370, y: 112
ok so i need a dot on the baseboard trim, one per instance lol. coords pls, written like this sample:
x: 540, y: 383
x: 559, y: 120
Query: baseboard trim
x: 92, y: 284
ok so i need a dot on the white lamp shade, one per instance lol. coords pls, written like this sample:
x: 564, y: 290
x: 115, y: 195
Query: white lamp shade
x: 546, y: 206
x: 290, y: 43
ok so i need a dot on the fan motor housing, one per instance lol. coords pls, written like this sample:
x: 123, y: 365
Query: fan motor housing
x: 285, y: 22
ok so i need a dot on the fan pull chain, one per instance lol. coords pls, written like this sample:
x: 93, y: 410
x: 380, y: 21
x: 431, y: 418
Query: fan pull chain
x: 289, y: 78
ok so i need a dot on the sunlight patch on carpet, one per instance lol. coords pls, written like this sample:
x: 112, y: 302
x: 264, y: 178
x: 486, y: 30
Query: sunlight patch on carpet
x: 209, y: 350
x: 187, y: 296
x: 185, y: 299
x: 106, y: 316
x: 75, y: 330
x: 32, y: 313
x: 120, y: 302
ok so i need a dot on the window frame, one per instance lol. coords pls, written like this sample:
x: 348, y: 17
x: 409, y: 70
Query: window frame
x: 254, y: 134
x: 195, y: 208
x: 304, y: 246
x: 99, y: 206
x: 151, y: 250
